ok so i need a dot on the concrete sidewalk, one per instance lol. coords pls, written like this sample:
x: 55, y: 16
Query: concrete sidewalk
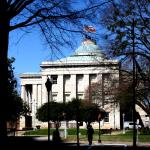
x: 45, y: 138
x: 42, y: 142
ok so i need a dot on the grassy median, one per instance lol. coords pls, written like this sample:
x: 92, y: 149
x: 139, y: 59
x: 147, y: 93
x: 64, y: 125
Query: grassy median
x: 115, y: 136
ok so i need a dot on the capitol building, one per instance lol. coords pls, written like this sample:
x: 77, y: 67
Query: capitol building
x: 71, y: 77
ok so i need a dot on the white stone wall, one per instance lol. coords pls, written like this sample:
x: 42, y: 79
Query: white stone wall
x: 78, y: 81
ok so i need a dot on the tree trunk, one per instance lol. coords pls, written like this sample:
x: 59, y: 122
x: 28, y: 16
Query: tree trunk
x: 149, y: 120
x: 4, y: 38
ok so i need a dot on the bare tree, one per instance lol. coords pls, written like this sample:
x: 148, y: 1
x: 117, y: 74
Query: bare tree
x: 103, y: 92
x: 124, y: 94
x: 56, y: 18
x: 124, y: 17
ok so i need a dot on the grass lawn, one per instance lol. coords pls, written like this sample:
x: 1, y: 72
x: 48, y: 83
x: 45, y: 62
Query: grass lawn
x: 115, y: 136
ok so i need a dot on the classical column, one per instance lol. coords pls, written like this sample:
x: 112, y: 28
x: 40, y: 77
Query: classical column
x: 23, y: 92
x: 34, y: 103
x: 44, y: 91
x: 29, y: 97
x: 99, y: 77
x: 60, y: 87
x: 34, y: 92
x: 117, y: 116
x: 39, y: 95
x: 86, y: 83
x: 73, y: 86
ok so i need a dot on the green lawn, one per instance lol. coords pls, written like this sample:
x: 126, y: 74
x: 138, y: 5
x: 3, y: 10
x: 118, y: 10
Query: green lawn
x: 115, y: 136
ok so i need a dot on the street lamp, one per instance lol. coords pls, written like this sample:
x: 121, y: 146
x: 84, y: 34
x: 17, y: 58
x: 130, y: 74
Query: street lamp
x: 123, y: 123
x: 99, y: 119
x: 48, y: 85
x: 65, y: 130
x: 77, y: 122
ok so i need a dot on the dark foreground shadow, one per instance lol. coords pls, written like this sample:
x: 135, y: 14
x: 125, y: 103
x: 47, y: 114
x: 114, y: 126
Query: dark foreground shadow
x: 18, y: 143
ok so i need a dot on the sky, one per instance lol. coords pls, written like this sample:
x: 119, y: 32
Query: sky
x: 29, y: 51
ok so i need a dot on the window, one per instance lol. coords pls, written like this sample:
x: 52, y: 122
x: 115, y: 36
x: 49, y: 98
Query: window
x: 54, y: 96
x: 93, y: 78
x: 79, y: 76
x: 66, y: 83
x: 80, y: 96
x: 79, y: 79
x: 54, y: 79
x: 66, y: 78
x: 106, y: 119
x: 67, y: 97
x: 95, y: 97
x: 106, y: 79
x: 79, y: 83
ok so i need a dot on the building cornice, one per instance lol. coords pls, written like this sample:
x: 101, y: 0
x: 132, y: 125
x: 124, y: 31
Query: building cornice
x: 30, y: 75
x: 50, y: 64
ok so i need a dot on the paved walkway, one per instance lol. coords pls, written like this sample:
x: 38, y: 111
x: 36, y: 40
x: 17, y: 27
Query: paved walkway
x: 44, y: 138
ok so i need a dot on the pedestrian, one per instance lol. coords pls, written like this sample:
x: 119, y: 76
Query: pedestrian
x: 90, y: 132
x: 56, y: 136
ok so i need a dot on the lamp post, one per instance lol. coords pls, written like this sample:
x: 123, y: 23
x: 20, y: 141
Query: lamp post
x: 65, y: 130
x: 137, y: 127
x: 123, y: 123
x: 99, y: 133
x: 48, y: 85
x: 77, y: 122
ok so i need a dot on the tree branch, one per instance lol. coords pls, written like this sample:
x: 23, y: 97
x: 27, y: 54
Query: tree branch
x: 18, y: 6
x: 25, y: 23
x: 138, y: 53
x: 72, y: 15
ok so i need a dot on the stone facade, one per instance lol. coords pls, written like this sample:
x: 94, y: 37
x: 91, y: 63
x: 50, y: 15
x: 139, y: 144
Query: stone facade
x: 71, y: 76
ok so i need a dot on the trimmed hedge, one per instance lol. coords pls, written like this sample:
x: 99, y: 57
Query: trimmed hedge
x: 145, y: 131
x: 70, y: 131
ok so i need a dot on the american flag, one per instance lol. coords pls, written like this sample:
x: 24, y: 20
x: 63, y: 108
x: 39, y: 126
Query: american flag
x: 89, y: 28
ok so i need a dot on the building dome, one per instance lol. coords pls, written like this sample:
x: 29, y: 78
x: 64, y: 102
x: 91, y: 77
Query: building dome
x: 88, y: 47
x: 88, y: 51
